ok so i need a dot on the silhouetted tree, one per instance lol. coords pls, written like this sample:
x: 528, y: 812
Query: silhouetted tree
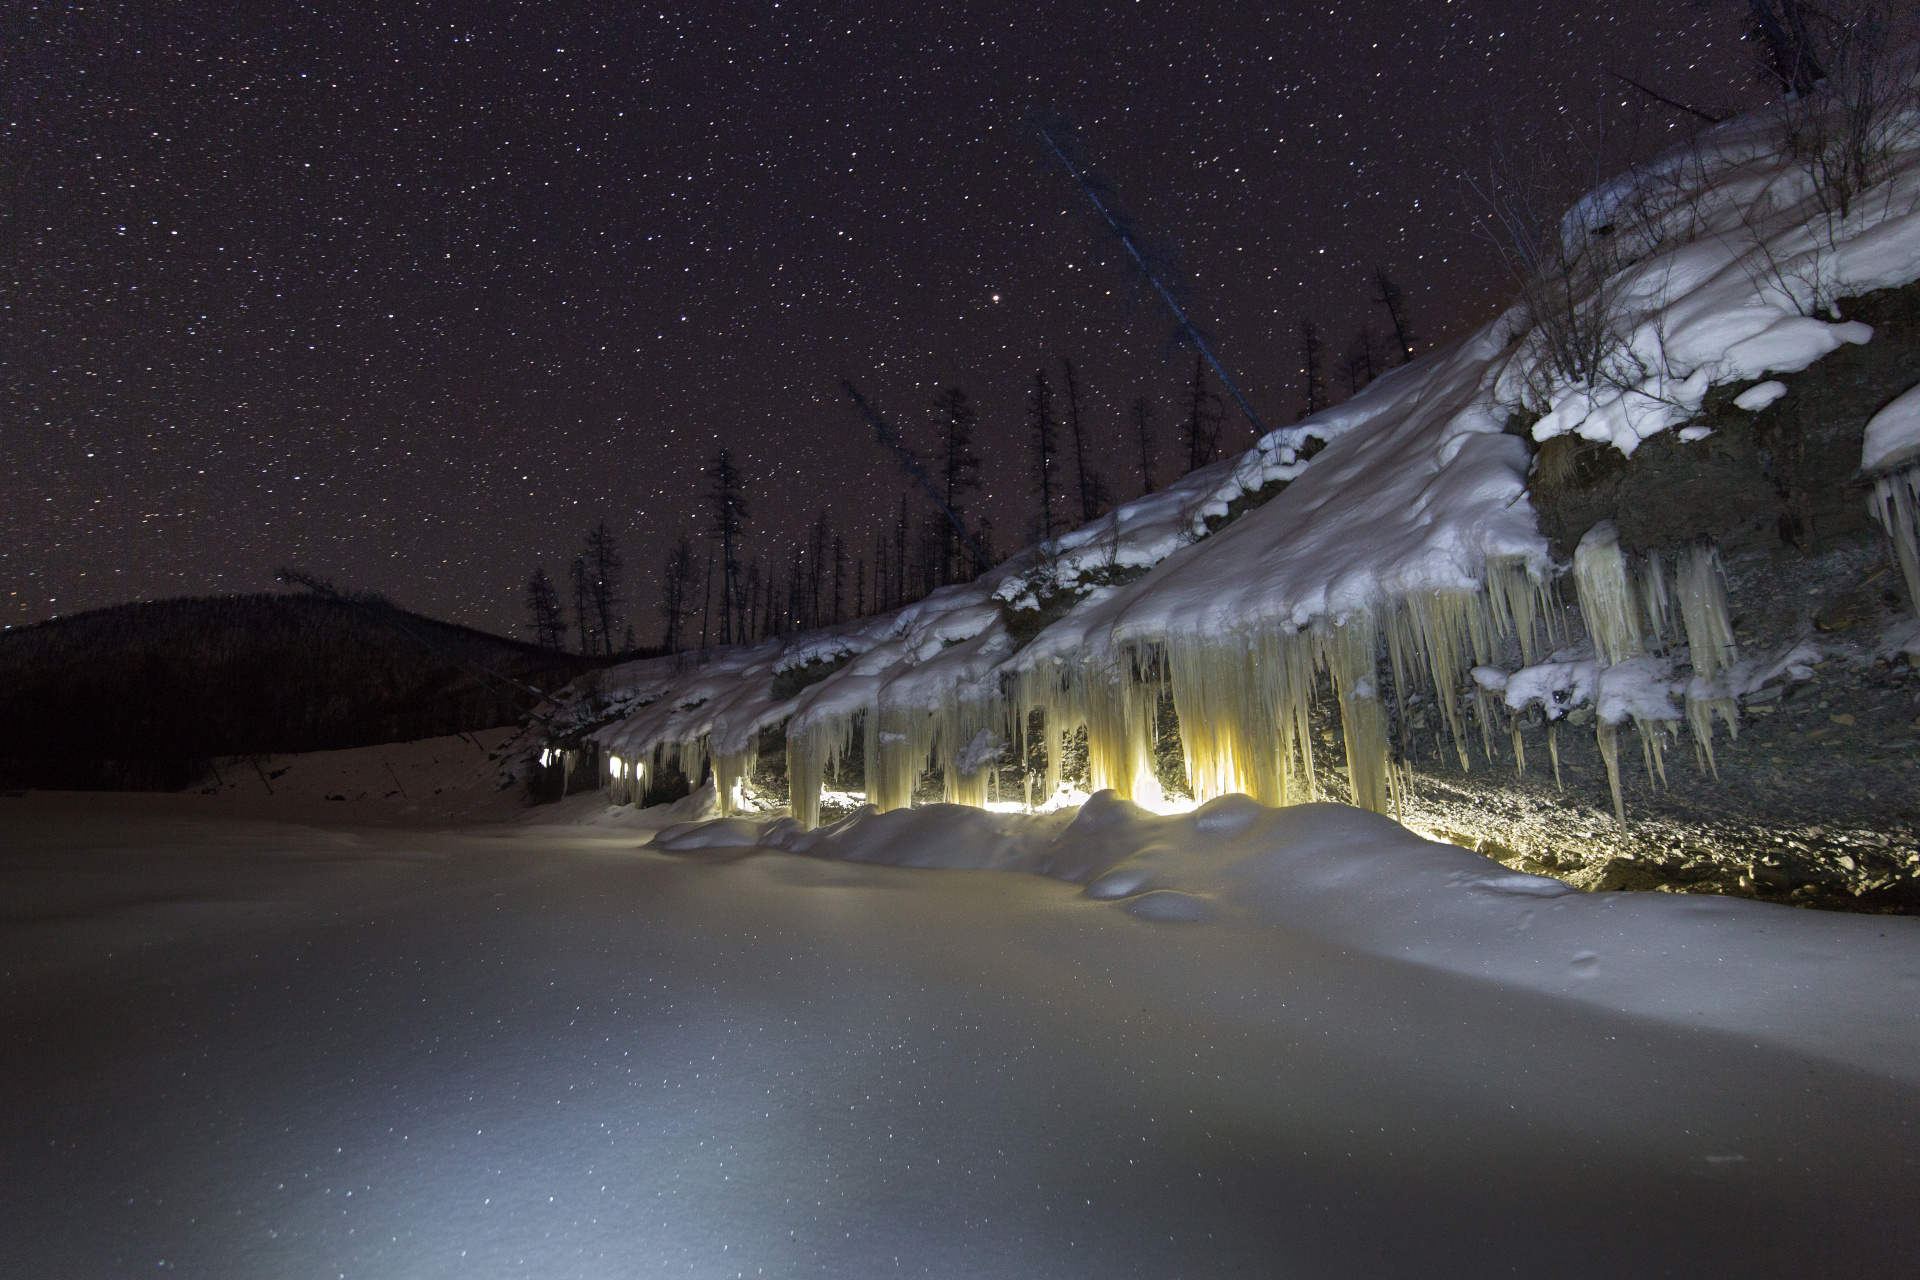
x: 767, y: 604
x: 960, y: 469
x: 603, y: 582
x: 543, y: 609
x: 583, y: 616
x: 1203, y: 418
x: 1088, y: 480
x: 679, y: 581
x: 755, y: 622
x: 818, y: 550
x: 1143, y: 438
x: 1359, y: 364
x: 706, y: 593
x: 1390, y: 297
x: 1046, y: 444
x: 1310, y: 355
x: 726, y: 500
x: 839, y: 577
x: 797, y: 590
x: 900, y: 531
x: 983, y: 538
x: 1792, y: 62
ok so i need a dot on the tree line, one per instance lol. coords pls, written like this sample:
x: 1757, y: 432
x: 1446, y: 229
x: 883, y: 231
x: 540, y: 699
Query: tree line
x: 711, y: 591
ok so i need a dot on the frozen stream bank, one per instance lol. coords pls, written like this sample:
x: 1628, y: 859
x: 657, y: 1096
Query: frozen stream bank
x: 242, y: 1048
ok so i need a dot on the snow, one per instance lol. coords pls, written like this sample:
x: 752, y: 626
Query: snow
x: 1816, y: 984
x: 1557, y: 686
x: 1638, y: 689
x: 1243, y: 1042
x: 1758, y: 396
x: 1729, y: 267
x: 1893, y: 434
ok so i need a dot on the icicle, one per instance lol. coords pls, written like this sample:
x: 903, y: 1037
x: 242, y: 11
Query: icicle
x: 1438, y: 629
x: 1553, y: 749
x: 1208, y: 680
x: 969, y: 743
x: 1351, y: 652
x: 1485, y: 716
x: 1705, y: 613
x: 812, y: 751
x: 899, y: 741
x: 1653, y: 747
x: 1520, y: 605
x: 1119, y: 718
x: 1610, y: 753
x: 731, y: 773
x: 1244, y: 708
x: 1657, y: 599
x: 1896, y: 505
x: 1704, y: 610
x: 1606, y: 594
x: 693, y: 761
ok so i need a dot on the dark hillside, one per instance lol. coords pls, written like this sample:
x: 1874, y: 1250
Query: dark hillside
x: 141, y: 696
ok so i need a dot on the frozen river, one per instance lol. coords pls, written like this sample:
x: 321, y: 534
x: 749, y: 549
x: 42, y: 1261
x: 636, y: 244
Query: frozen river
x: 242, y: 1048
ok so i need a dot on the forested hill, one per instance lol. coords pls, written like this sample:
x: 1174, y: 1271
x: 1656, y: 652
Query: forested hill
x: 143, y: 695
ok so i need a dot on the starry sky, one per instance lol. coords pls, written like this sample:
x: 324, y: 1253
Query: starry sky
x: 411, y: 294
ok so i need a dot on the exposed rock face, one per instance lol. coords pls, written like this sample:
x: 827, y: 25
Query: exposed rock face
x: 1782, y: 481
x: 1818, y: 799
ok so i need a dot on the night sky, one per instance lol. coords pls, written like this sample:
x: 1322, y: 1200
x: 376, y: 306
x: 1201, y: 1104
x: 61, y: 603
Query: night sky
x: 411, y: 294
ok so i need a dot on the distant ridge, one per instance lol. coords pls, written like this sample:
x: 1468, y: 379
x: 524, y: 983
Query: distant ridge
x: 143, y: 696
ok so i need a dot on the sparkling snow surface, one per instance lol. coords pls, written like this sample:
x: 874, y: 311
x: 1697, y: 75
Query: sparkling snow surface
x: 243, y: 1047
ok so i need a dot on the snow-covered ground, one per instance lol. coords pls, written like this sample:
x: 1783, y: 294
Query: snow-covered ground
x: 335, y: 1044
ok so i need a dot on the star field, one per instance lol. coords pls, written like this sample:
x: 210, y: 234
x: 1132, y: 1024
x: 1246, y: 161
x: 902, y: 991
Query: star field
x: 411, y: 294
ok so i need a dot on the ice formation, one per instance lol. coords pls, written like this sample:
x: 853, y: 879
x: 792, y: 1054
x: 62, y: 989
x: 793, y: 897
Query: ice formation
x: 1379, y: 563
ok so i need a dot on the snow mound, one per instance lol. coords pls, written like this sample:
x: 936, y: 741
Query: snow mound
x: 1817, y: 984
x: 1893, y: 434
